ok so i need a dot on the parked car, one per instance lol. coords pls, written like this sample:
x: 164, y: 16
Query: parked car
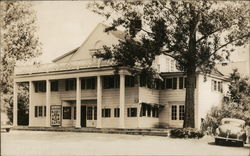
x: 5, y: 123
x: 231, y: 130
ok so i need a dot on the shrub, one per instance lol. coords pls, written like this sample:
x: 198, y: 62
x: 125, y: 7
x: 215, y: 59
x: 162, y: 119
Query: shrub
x: 186, y: 133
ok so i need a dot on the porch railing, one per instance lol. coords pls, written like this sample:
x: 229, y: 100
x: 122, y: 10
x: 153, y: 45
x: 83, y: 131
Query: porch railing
x: 51, y: 67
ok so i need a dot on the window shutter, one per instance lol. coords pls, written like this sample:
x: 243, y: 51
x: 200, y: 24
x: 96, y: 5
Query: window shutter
x: 36, y: 112
x: 44, y: 110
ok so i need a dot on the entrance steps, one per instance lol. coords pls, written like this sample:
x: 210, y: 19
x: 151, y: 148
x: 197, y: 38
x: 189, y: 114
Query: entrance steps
x: 151, y: 132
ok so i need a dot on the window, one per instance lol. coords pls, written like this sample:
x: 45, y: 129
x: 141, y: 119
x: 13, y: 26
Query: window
x: 88, y: 83
x: 89, y: 113
x: 181, y: 82
x: 74, y: 112
x: 175, y: 83
x: 168, y: 83
x: 181, y: 112
x: 117, y: 112
x: 111, y: 82
x: 143, y: 110
x: 67, y: 112
x: 54, y: 85
x: 40, y: 111
x: 132, y: 112
x: 148, y: 110
x: 40, y: 86
x: 220, y: 87
x: 129, y: 81
x: 95, y: 113
x: 217, y: 86
x: 174, y: 112
x: 106, y: 112
x: 70, y: 84
x: 155, y: 112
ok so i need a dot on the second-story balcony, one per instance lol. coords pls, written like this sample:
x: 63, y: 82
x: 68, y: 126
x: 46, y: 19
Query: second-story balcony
x: 64, y: 66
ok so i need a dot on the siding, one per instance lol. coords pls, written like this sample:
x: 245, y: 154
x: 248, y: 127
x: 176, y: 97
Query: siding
x: 148, y: 96
x: 207, y: 97
x: 169, y: 97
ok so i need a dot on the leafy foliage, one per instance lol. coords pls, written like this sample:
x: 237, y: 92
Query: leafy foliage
x: 19, y: 42
x: 197, y: 34
x: 237, y: 105
x: 186, y: 133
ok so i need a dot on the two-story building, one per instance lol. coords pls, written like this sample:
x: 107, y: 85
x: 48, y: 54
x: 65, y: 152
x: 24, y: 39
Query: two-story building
x: 77, y: 90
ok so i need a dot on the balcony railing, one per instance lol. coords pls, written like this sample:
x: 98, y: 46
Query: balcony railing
x: 52, y: 67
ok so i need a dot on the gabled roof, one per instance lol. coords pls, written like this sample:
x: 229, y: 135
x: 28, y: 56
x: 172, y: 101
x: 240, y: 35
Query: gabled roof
x: 117, y: 34
x: 66, y: 54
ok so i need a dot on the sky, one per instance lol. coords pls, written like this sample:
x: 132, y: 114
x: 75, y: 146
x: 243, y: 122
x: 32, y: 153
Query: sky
x: 64, y: 25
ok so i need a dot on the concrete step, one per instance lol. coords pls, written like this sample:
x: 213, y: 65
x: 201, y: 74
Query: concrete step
x: 151, y: 132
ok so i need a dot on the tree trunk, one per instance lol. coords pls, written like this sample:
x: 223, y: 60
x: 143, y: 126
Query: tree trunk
x: 189, y: 120
x: 189, y: 117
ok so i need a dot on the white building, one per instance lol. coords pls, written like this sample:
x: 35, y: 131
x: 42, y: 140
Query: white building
x: 77, y: 90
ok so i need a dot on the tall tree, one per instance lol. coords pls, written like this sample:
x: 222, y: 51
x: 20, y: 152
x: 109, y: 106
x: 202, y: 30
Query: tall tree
x: 197, y: 34
x: 19, y: 42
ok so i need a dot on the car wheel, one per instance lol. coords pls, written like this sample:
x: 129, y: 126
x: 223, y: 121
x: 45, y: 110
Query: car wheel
x: 7, y: 129
x: 241, y: 144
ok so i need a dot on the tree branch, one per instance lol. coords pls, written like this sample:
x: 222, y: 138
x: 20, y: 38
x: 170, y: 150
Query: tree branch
x: 222, y: 46
x: 205, y: 36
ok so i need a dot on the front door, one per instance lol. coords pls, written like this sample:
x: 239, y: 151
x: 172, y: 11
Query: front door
x: 83, y: 116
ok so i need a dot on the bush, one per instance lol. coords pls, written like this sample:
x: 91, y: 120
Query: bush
x: 186, y: 133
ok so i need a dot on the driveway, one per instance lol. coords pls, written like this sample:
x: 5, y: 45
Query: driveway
x: 73, y: 143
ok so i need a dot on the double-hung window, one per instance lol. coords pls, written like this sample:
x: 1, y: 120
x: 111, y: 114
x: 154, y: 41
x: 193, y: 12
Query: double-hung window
x: 129, y: 81
x: 116, y: 112
x: 40, y: 111
x: 106, y: 112
x: 40, y: 86
x: 111, y: 82
x: 70, y: 84
x: 54, y: 85
x: 88, y: 83
x: 177, y: 112
x: 132, y: 112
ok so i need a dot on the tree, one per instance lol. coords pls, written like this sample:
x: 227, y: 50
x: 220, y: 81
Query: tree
x: 197, y: 34
x: 19, y: 42
x: 236, y: 104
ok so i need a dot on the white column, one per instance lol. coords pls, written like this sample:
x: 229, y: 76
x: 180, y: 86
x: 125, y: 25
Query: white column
x: 122, y: 101
x: 15, y: 104
x: 78, y: 103
x: 31, y: 107
x: 99, y: 102
x: 48, y: 93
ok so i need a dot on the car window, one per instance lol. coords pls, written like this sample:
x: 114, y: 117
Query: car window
x: 234, y: 123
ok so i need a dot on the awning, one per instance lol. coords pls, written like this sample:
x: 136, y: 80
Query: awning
x: 152, y: 104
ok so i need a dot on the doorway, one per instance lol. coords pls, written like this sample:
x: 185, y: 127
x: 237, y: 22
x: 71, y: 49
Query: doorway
x: 83, y: 116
